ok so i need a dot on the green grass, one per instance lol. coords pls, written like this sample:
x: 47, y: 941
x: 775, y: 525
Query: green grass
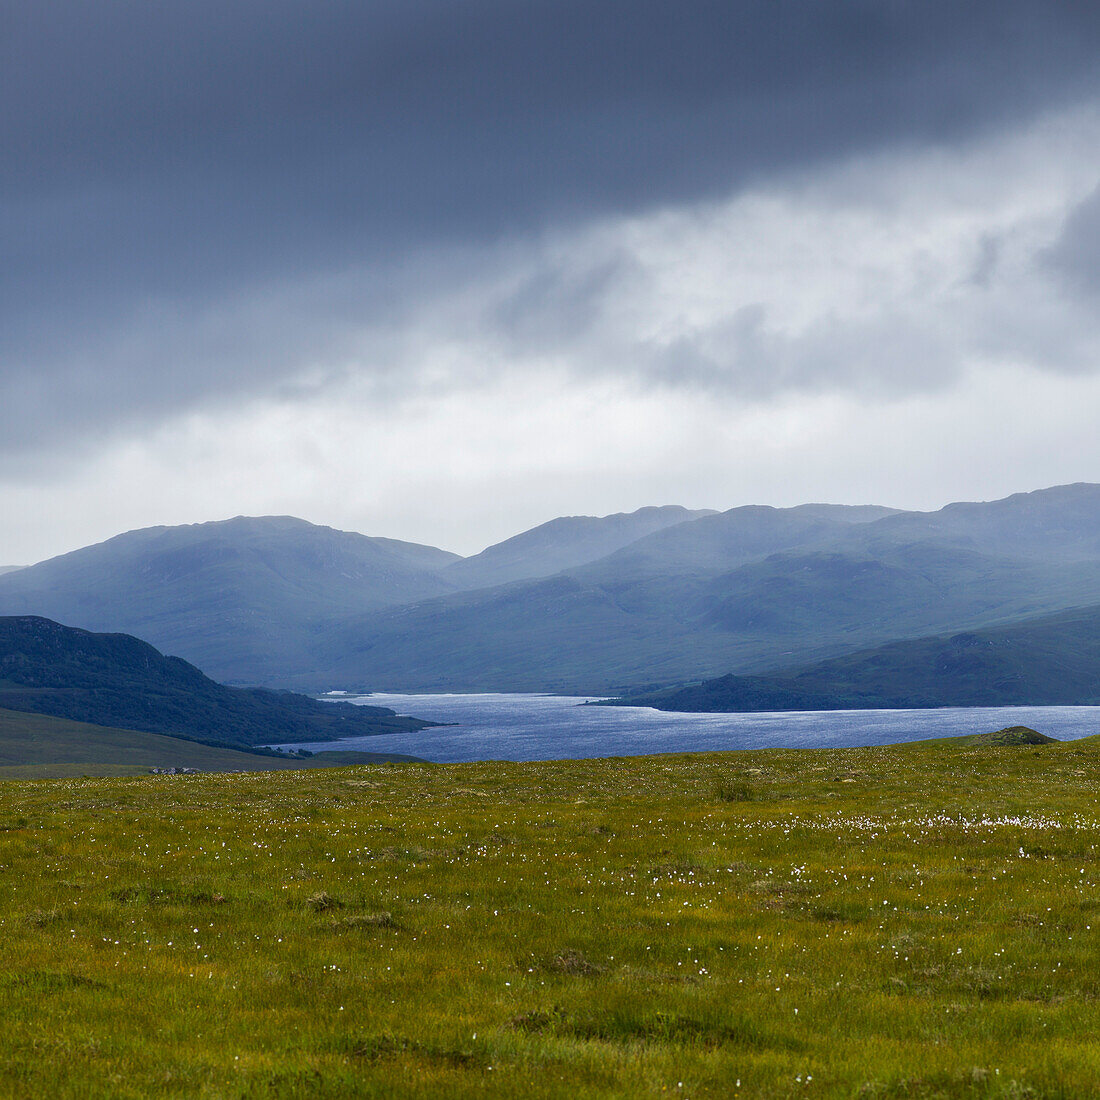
x: 916, y: 921
x: 38, y: 746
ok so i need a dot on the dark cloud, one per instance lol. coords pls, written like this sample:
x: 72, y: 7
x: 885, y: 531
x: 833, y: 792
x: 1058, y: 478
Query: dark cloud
x: 1075, y: 256
x: 162, y: 161
x: 553, y: 306
x: 743, y: 355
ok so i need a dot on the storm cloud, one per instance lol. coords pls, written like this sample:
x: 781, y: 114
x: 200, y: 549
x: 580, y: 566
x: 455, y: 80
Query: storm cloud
x: 1075, y: 255
x: 208, y: 207
x: 168, y: 166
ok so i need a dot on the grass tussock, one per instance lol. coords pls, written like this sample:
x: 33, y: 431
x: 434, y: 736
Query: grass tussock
x: 323, y: 902
x: 573, y: 963
x: 921, y: 921
x: 736, y: 790
x: 367, y: 921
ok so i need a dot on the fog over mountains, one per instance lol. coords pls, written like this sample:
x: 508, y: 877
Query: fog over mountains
x: 564, y: 543
x: 622, y: 603
x: 1049, y: 660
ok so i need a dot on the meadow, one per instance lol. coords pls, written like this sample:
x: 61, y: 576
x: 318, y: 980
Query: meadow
x: 40, y: 746
x: 909, y: 921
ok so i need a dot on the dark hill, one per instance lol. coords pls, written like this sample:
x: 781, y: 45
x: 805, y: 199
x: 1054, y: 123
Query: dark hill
x: 1014, y: 735
x: 119, y: 681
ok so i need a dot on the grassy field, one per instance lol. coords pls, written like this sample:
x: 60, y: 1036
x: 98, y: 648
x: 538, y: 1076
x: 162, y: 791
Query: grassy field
x: 915, y: 921
x: 38, y: 746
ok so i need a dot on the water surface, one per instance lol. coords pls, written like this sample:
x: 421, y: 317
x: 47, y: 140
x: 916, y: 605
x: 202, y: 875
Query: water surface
x: 556, y: 727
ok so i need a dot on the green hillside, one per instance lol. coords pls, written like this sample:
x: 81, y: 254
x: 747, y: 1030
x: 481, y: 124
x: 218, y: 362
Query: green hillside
x: 1048, y: 661
x: 37, y: 746
x: 119, y: 681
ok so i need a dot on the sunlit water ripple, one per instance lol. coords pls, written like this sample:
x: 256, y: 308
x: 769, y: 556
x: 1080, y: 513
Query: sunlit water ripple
x: 556, y: 727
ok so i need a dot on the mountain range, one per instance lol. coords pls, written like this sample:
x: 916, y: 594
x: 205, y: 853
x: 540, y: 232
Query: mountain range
x: 564, y: 543
x: 1051, y: 660
x: 621, y: 604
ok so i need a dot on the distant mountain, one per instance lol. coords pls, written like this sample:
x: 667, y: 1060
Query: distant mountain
x: 723, y: 541
x: 664, y: 608
x: 1048, y: 661
x: 119, y: 681
x: 688, y: 597
x: 563, y: 543
x: 1061, y: 524
x: 242, y: 598
x: 1050, y: 526
x: 9, y: 569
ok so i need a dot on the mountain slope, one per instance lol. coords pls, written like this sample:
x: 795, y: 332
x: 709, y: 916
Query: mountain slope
x: 1056, y: 525
x: 1060, y: 524
x: 241, y: 598
x: 568, y: 633
x: 746, y: 590
x: 637, y: 616
x: 119, y: 681
x: 725, y: 540
x: 563, y: 543
x: 1048, y: 661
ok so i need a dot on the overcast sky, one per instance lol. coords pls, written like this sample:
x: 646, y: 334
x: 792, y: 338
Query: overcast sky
x: 445, y: 269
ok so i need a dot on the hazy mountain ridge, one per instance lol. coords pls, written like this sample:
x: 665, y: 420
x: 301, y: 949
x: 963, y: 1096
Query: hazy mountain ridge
x: 1057, y: 524
x: 252, y: 599
x: 119, y: 681
x: 726, y: 540
x: 1052, y: 660
x: 746, y: 591
x: 564, y: 543
x: 241, y: 597
x: 562, y: 633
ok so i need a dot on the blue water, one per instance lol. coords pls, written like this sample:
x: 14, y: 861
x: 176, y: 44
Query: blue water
x: 554, y: 727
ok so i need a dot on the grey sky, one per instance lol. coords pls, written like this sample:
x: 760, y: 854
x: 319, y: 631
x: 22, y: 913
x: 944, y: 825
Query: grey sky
x: 475, y: 263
